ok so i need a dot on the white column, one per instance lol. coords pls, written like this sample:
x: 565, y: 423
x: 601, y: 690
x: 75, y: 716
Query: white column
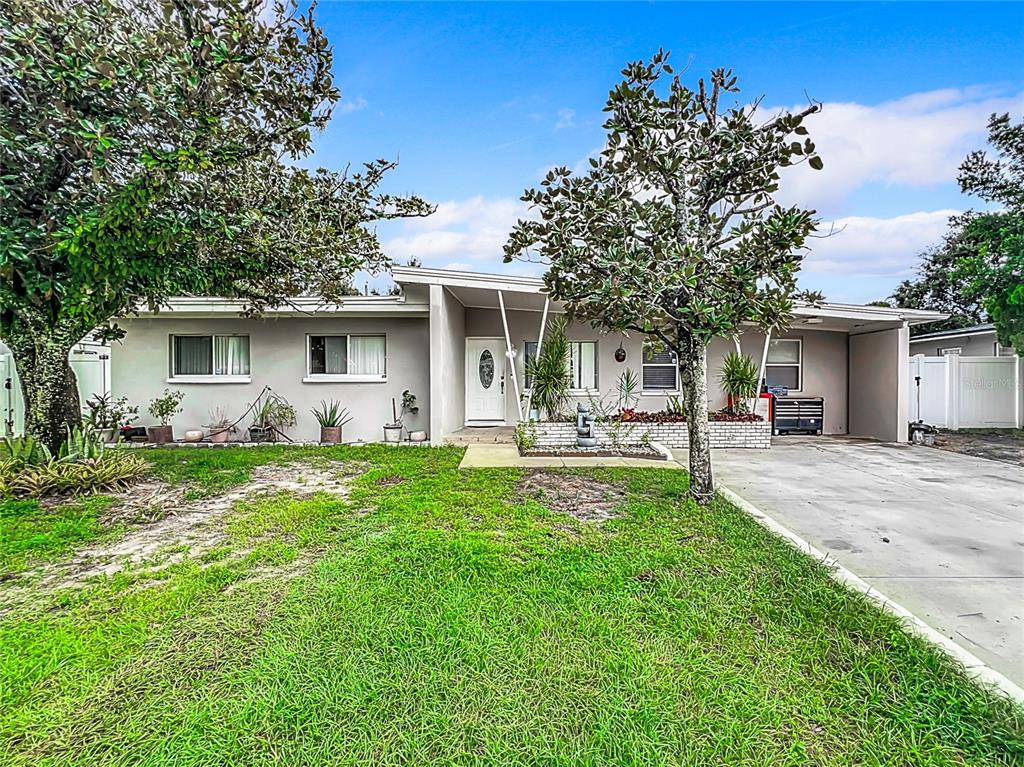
x: 952, y: 367
x: 510, y: 356
x: 903, y: 383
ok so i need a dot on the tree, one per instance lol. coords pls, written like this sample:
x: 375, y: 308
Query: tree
x: 673, y: 232
x: 938, y: 287
x: 147, y: 152
x: 996, y: 270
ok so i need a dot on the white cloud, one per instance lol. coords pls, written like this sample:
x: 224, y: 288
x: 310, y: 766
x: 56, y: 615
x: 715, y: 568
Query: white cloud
x: 347, y: 107
x: 461, y: 233
x: 863, y: 246
x: 566, y: 118
x: 917, y: 141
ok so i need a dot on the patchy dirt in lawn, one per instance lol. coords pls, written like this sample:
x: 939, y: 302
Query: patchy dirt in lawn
x: 583, y: 497
x: 172, y: 528
x: 1005, y: 445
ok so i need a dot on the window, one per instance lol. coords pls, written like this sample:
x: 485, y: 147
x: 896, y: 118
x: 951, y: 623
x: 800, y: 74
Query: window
x: 213, y: 357
x: 346, y: 357
x: 660, y: 368
x: 582, y: 363
x: 951, y: 350
x: 783, y: 368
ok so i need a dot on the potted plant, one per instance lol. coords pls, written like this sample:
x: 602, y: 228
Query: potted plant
x: 393, y: 430
x: 221, y: 426
x: 739, y: 379
x: 107, y: 415
x: 273, y: 415
x: 332, y: 417
x: 163, y: 409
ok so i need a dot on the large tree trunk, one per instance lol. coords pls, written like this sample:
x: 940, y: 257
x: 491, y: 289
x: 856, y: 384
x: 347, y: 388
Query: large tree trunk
x: 693, y: 372
x: 48, y: 384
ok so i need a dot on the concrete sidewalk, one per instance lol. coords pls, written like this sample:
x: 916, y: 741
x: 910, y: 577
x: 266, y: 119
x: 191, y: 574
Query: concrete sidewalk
x: 488, y: 456
x: 940, y: 533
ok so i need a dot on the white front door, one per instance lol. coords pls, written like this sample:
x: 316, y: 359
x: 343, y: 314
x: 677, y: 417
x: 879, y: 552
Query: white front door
x: 485, y: 381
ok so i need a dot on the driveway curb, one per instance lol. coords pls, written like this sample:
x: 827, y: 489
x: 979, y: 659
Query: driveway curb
x: 973, y: 665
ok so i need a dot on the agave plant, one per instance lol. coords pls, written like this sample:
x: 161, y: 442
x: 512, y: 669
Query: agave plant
x: 331, y: 414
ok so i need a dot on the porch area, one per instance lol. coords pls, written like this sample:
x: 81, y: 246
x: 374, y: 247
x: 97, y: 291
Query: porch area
x: 478, y: 435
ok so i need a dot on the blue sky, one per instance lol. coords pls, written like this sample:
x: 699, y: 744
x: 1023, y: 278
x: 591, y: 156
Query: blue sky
x: 478, y: 100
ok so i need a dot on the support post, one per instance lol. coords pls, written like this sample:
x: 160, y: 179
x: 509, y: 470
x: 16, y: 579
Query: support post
x: 540, y: 342
x: 764, y: 365
x: 509, y: 355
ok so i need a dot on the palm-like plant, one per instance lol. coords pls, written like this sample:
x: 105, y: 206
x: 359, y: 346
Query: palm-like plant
x: 739, y: 378
x: 331, y: 414
x: 548, y: 371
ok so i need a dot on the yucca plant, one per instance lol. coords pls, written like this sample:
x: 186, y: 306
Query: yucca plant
x: 81, y: 444
x: 739, y: 378
x: 332, y: 417
x: 548, y: 372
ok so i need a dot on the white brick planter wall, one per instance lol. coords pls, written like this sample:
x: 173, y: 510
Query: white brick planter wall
x: 753, y: 434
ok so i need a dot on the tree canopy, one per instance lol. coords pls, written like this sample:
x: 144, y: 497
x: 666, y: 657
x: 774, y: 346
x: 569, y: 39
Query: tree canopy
x: 674, y: 231
x: 149, y: 150
x: 977, y: 273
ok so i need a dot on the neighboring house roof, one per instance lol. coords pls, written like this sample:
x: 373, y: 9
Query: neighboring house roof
x: 973, y: 330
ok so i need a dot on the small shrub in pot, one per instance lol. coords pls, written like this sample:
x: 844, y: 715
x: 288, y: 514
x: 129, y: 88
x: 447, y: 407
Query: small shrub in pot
x: 332, y: 418
x: 107, y: 415
x: 163, y: 409
x: 273, y: 416
x: 221, y: 426
x: 393, y: 430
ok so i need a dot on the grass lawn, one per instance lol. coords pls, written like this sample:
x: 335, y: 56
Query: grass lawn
x: 435, y: 616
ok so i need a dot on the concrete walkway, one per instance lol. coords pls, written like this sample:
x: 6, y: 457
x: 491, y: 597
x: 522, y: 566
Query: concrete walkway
x: 488, y: 456
x: 938, y: 532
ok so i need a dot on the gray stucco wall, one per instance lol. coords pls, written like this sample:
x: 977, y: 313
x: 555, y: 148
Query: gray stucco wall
x: 140, y: 368
x: 825, y: 356
x: 879, y: 378
x: 971, y: 346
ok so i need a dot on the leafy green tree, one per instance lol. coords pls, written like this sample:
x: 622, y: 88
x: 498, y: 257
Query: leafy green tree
x: 147, y: 151
x: 938, y: 285
x: 673, y: 232
x: 996, y: 271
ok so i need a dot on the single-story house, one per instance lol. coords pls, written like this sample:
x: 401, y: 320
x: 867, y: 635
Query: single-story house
x: 458, y: 340
x: 974, y: 341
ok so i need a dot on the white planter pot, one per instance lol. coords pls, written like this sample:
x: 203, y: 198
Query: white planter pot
x: 392, y: 433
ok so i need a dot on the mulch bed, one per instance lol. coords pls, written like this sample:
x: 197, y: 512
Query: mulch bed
x: 1005, y: 445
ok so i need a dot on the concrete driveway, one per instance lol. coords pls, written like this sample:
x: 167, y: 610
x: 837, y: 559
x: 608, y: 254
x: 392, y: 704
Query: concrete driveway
x: 940, y: 533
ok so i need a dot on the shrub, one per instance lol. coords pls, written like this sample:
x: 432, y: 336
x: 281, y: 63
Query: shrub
x: 165, y: 407
x: 525, y: 435
x: 112, y: 470
x: 739, y: 378
x: 548, y: 372
x: 105, y: 412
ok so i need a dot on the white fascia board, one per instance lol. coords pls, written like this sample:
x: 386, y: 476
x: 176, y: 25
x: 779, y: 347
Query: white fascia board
x: 867, y: 313
x: 419, y: 275
x: 202, y: 306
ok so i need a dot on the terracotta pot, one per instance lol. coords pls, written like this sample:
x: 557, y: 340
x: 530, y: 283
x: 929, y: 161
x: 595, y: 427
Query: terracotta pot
x: 160, y: 435
x: 220, y: 435
x: 330, y: 435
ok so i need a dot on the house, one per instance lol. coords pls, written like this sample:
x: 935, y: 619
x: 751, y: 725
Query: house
x: 974, y: 341
x: 446, y: 338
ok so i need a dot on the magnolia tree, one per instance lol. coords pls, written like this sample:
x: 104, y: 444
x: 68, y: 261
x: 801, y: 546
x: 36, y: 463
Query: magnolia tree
x: 146, y: 152
x: 673, y: 232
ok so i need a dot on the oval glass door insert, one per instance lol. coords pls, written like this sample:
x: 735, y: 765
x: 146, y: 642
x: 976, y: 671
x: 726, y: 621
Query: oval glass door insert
x: 486, y: 368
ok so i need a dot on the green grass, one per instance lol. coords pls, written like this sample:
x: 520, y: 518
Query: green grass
x: 30, y: 531
x: 442, y: 619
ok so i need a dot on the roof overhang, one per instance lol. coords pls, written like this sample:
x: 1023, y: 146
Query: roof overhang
x: 306, y: 306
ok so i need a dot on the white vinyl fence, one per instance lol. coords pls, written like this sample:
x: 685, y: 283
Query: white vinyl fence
x: 954, y: 392
x: 92, y: 369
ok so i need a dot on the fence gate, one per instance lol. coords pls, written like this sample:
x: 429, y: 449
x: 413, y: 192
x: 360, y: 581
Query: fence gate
x: 11, y: 410
x: 955, y: 392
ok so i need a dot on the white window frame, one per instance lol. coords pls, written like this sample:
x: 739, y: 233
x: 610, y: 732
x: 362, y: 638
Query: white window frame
x: 212, y: 378
x: 674, y: 391
x: 345, y: 377
x: 799, y: 365
x: 950, y: 350
x: 574, y: 391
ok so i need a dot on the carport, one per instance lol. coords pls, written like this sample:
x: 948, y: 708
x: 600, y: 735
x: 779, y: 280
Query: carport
x: 940, y: 533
